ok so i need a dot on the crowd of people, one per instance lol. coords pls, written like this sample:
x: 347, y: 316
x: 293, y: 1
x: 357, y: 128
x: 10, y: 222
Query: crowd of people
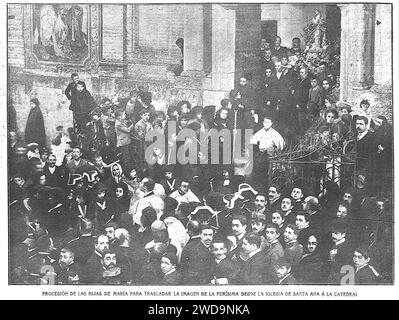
x: 90, y: 208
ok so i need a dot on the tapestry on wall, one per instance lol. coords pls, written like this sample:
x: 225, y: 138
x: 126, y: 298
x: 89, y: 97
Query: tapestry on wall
x: 60, y: 32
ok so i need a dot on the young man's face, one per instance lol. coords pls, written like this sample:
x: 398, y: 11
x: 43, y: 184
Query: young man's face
x: 268, y: 54
x: 168, y: 175
x: 360, y: 126
x: 101, y: 195
x: 207, y: 236
x: 313, y: 83
x: 19, y: 181
x: 145, y: 116
x: 359, y: 260
x: 284, y: 61
x: 338, y: 236
x: 326, y: 85
x: 51, y: 161
x: 223, y: 114
x: 183, y: 122
x: 237, y: 227
x: 273, y: 194
x: 281, y: 271
x: 166, y: 265
x: 247, y: 247
x: 268, y: 73
x: 79, y: 87
x: 277, y: 42
x: 301, y: 222
x: 219, y: 250
x: 75, y: 79
x: 267, y: 123
x: 184, y: 187
x: 271, y: 234
x: 289, y: 235
x: 65, y: 259
x: 76, y: 154
x: 342, y: 212
x: 296, y: 194
x: 109, y: 261
x: 277, y: 218
x: 330, y: 117
x: 286, y: 204
x: 110, y: 233
x: 312, y: 244
x: 119, y: 193
x: 348, y: 197
x: 258, y: 226
x: 260, y: 202
x: 102, y: 244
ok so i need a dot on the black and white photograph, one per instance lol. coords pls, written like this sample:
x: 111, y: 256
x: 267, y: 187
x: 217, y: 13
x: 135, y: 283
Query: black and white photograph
x: 201, y: 144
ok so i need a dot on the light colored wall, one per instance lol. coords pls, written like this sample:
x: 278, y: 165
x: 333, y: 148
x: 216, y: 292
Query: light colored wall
x: 291, y: 18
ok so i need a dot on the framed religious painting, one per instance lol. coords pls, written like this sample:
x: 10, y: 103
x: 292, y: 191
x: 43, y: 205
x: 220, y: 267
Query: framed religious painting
x: 57, y: 33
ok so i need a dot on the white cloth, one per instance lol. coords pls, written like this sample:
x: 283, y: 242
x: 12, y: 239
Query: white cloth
x: 188, y: 197
x: 269, y: 140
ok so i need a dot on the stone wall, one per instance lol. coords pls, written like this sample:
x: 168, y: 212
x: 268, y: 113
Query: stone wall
x: 113, y: 68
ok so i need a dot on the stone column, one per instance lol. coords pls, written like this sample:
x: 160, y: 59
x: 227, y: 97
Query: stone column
x: 383, y: 45
x: 223, y: 54
x: 357, y: 48
x: 193, y: 40
x: 344, y: 55
x: 365, y: 31
x: 235, y: 46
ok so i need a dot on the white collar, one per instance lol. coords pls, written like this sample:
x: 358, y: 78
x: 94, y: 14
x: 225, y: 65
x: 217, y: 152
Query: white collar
x: 170, y: 272
x: 250, y: 255
x: 340, y: 241
x: 362, y: 135
x: 359, y: 268
x: 285, y: 277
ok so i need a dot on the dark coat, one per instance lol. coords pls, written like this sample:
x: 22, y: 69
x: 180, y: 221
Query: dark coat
x: 273, y: 253
x: 172, y: 279
x: 55, y: 179
x: 293, y: 252
x: 301, y: 94
x: 290, y: 280
x: 254, y: 270
x: 366, y: 275
x: 225, y: 269
x: 92, y: 272
x: 366, y: 151
x: 34, y: 131
x: 309, y: 269
x: 195, y: 262
x: 82, y: 247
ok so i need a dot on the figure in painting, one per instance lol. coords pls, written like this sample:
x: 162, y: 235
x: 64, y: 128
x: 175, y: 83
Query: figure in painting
x: 59, y: 33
